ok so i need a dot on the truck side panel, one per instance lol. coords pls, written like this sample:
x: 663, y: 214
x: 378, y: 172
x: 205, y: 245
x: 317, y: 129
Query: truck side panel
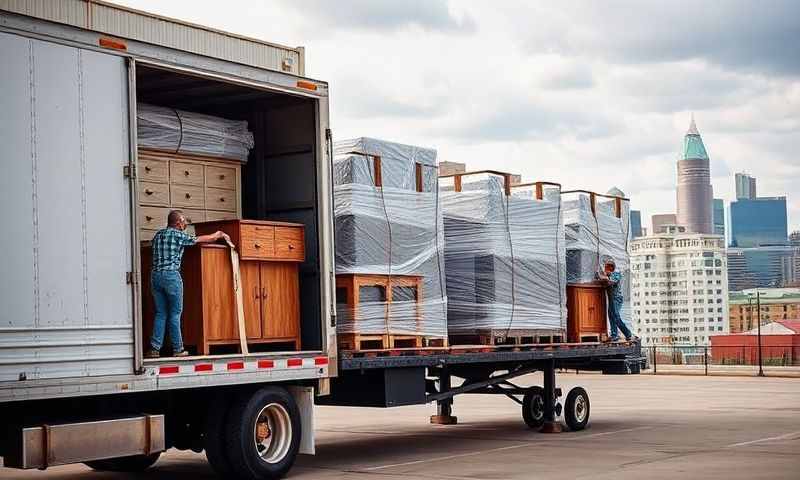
x: 67, y: 306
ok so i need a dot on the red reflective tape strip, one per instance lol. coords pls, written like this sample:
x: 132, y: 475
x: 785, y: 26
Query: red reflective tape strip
x: 266, y: 364
x: 115, y: 44
x: 203, y: 367
x: 321, y: 361
x: 235, y: 365
x: 168, y: 369
x: 294, y: 362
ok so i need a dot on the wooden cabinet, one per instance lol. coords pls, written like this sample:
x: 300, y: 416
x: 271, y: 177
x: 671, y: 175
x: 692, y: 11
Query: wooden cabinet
x: 586, y: 312
x: 203, y: 187
x: 272, y: 300
x: 262, y: 240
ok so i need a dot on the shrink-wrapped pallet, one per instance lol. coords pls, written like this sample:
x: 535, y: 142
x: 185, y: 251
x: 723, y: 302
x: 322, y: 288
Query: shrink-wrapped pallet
x: 179, y: 131
x: 592, y: 238
x: 388, y: 229
x: 504, y: 259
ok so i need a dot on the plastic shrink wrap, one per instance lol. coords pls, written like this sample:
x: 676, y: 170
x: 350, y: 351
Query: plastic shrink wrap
x: 177, y: 131
x: 504, y: 258
x: 393, y: 232
x: 593, y: 238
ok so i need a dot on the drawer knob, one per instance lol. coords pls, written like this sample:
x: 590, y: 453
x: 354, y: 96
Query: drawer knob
x: 257, y: 245
x: 222, y: 199
x: 291, y: 247
x: 147, y: 168
x: 186, y: 172
x: 148, y: 218
x: 188, y: 196
x: 222, y: 177
x: 147, y: 191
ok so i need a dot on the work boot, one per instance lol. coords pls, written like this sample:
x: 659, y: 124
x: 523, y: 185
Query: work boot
x: 152, y: 354
x: 180, y: 353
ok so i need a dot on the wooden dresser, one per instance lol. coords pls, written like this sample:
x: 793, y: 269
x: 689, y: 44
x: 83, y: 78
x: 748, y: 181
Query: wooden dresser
x: 204, y: 188
x: 270, y: 286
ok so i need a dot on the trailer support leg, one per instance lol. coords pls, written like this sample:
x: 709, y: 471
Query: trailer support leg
x: 550, y: 424
x: 444, y: 407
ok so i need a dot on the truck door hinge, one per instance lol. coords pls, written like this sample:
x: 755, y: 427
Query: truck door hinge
x: 328, y: 134
x: 129, y: 278
x: 129, y: 171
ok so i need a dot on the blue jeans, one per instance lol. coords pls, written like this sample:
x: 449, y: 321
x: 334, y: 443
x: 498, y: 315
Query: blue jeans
x: 167, y: 288
x: 615, y: 318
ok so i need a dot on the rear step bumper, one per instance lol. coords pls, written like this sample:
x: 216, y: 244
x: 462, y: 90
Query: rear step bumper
x: 50, y: 445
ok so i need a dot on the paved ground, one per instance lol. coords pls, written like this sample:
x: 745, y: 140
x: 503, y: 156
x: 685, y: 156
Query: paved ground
x: 641, y: 427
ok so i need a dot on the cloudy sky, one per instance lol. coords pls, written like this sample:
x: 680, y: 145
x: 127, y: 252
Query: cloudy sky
x: 588, y: 94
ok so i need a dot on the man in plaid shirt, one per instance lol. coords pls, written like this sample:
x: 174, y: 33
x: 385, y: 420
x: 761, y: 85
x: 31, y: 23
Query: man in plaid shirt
x: 166, y: 282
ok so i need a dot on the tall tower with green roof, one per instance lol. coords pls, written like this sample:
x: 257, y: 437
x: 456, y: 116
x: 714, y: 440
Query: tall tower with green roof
x: 695, y: 195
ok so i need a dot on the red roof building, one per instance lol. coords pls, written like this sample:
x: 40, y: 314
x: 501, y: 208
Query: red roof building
x: 780, y: 345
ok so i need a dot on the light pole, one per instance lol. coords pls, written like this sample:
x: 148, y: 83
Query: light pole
x: 758, y: 306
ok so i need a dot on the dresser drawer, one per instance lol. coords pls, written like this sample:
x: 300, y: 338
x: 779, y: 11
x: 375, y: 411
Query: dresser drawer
x: 220, y: 199
x: 145, y: 235
x: 289, y: 243
x: 188, y: 196
x: 155, y: 194
x: 184, y: 173
x: 220, y: 177
x: 194, y: 216
x: 153, y: 218
x: 153, y: 170
x: 257, y: 241
x: 212, y: 216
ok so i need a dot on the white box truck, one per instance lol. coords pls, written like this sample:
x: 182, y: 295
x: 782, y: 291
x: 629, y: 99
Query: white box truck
x: 74, y: 386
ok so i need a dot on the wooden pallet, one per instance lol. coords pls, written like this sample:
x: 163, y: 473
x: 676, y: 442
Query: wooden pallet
x: 362, y: 341
x: 508, y: 337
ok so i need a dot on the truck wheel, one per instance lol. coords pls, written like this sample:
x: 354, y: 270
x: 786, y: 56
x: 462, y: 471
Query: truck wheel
x: 533, y: 407
x: 263, y: 434
x: 214, y: 436
x: 135, y: 463
x: 576, y: 409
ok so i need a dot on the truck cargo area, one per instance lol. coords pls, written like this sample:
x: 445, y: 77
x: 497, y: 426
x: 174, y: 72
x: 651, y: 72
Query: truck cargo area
x: 279, y: 179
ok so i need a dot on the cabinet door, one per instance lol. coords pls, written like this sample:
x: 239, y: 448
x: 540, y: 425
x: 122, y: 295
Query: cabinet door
x: 219, y: 300
x: 281, y: 300
x: 251, y: 297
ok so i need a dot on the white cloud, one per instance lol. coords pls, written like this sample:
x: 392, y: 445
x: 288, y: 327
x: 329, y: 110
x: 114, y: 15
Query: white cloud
x: 589, y: 94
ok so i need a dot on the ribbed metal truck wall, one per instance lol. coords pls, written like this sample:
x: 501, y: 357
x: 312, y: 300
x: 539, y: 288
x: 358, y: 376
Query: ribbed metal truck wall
x: 66, y: 247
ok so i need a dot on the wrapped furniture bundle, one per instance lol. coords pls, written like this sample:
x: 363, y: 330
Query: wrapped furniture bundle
x: 504, y: 260
x: 177, y: 131
x: 389, y: 259
x: 592, y: 237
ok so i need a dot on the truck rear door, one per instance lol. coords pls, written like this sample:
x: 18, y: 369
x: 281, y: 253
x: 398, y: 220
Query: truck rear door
x: 65, y: 204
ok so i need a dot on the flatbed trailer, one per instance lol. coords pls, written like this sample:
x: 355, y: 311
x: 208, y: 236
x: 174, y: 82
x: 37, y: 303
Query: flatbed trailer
x: 386, y: 378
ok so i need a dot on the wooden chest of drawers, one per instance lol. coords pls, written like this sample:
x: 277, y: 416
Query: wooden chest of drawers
x: 206, y: 189
x: 261, y: 240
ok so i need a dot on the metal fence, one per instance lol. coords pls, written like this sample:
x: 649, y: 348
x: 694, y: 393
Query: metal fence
x: 723, y: 359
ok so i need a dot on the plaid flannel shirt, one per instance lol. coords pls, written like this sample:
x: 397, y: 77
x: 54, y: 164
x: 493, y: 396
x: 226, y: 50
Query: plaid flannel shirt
x: 168, y: 245
x: 615, y: 287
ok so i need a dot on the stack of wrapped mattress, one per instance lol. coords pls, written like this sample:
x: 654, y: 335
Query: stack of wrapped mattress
x: 504, y: 259
x: 393, y: 232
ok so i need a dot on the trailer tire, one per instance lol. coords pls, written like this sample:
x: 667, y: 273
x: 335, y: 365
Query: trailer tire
x: 254, y: 460
x: 214, y: 436
x: 576, y: 409
x: 533, y: 407
x: 135, y: 463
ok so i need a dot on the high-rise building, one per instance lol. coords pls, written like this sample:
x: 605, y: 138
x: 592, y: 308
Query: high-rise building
x: 763, y: 267
x: 718, y: 209
x: 794, y: 238
x: 679, y: 288
x: 636, y: 223
x: 745, y: 187
x: 660, y: 220
x: 757, y: 222
x: 694, y: 192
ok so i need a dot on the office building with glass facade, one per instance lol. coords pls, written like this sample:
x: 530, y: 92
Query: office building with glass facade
x: 759, y: 222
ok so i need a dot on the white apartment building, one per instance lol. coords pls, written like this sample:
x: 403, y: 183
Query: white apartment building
x: 679, y: 287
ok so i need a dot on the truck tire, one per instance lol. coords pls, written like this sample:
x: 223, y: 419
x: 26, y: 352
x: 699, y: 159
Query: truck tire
x: 576, y: 409
x: 214, y: 436
x: 135, y: 463
x: 253, y: 456
x: 533, y: 407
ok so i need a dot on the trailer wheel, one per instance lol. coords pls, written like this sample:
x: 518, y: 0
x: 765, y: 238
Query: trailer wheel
x: 214, y: 436
x: 533, y: 407
x: 576, y: 409
x: 263, y: 434
x: 135, y: 463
